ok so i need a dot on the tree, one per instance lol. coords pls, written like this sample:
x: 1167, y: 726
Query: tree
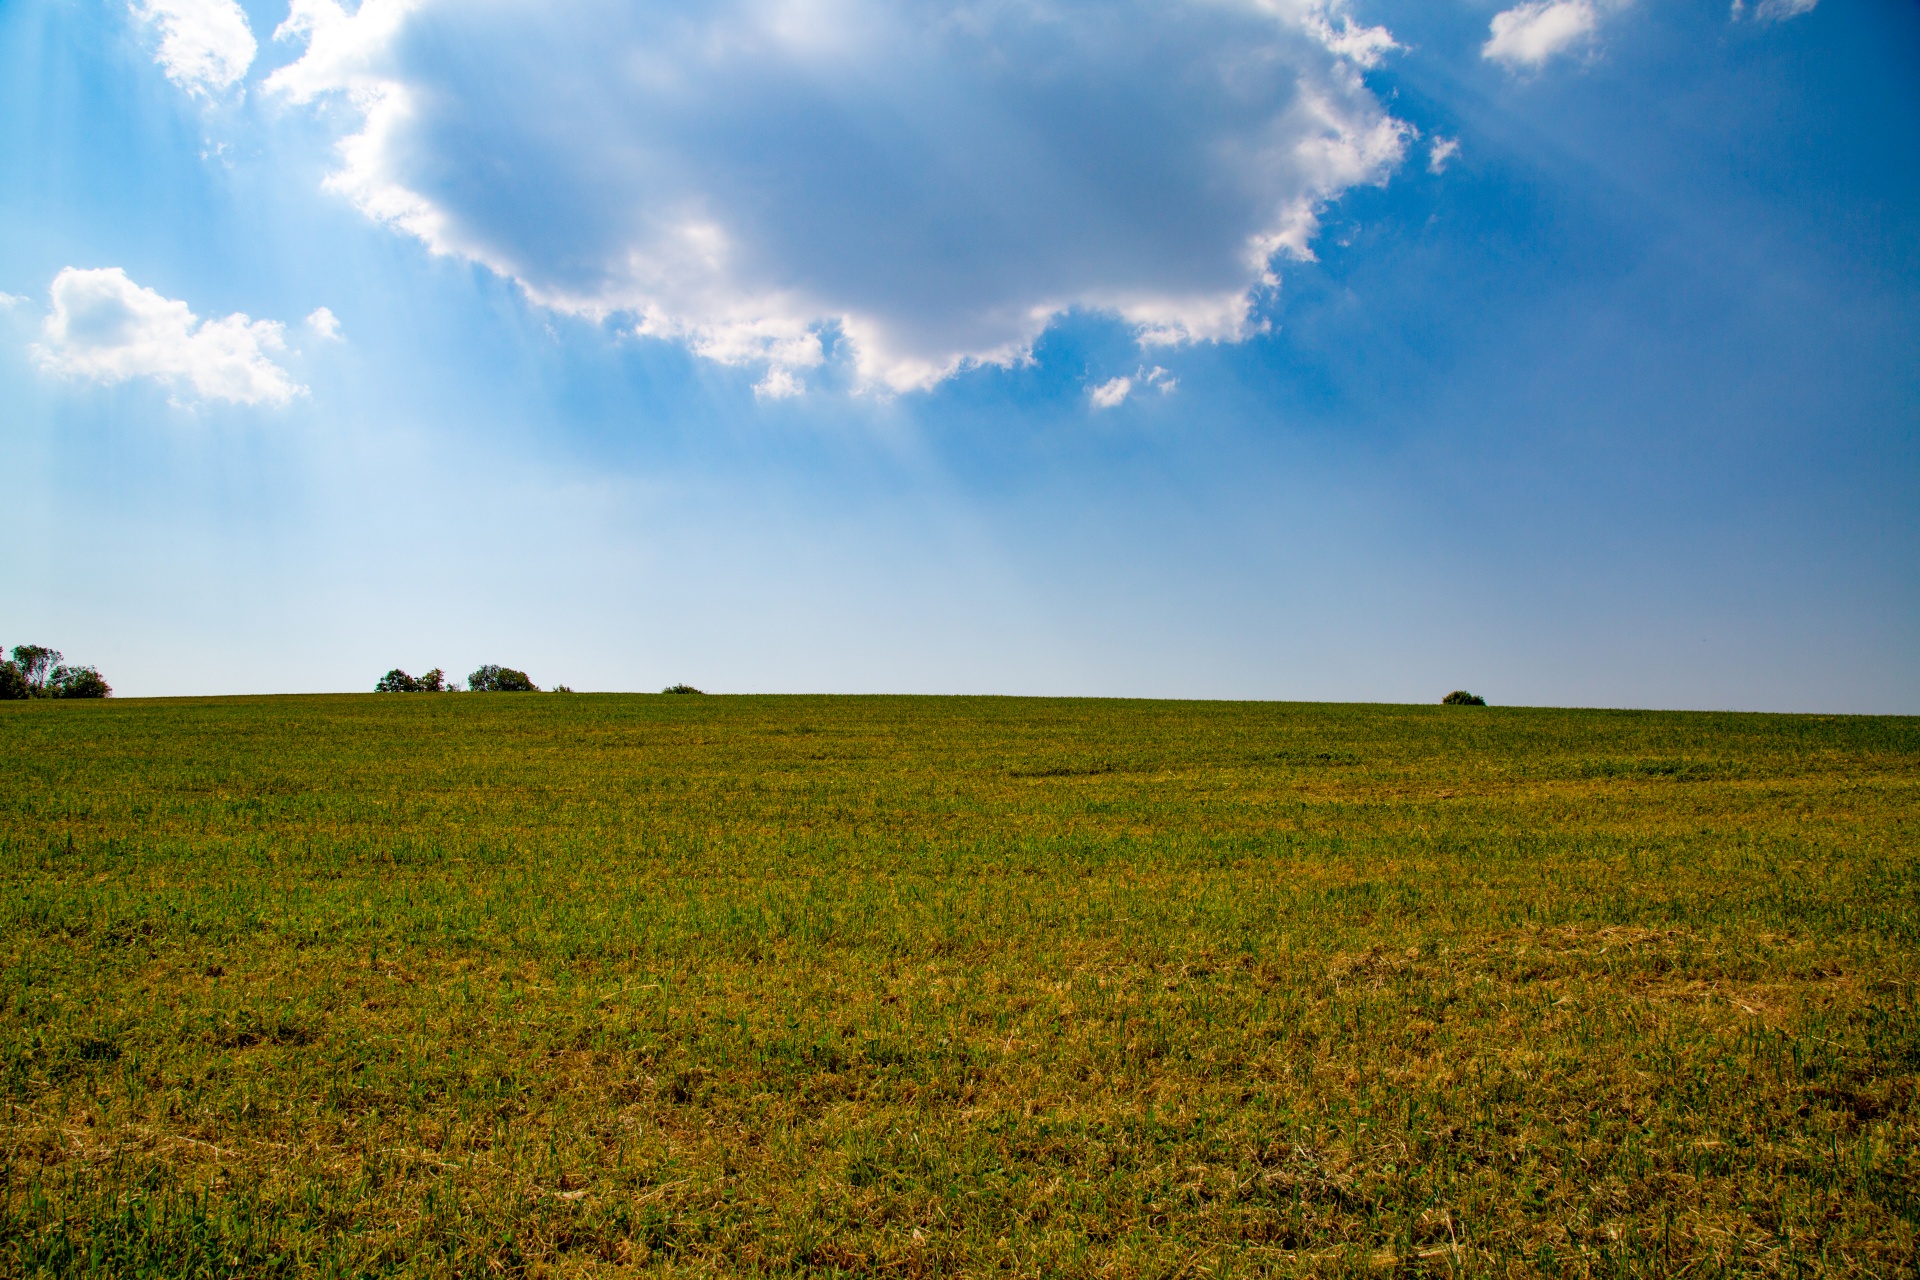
x: 1461, y: 698
x: 36, y: 672
x: 36, y: 663
x: 494, y: 678
x: 398, y: 681
x: 680, y: 688
x: 77, y: 682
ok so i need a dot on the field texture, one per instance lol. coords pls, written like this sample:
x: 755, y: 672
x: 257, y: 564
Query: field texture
x: 571, y: 985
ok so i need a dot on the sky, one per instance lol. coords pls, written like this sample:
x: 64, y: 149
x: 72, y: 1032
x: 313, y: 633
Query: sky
x: 1359, y: 350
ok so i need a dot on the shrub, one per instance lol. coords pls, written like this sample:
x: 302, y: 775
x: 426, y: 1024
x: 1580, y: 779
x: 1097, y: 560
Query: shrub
x: 493, y: 678
x: 680, y: 688
x: 1461, y: 698
x: 77, y: 682
x: 13, y: 682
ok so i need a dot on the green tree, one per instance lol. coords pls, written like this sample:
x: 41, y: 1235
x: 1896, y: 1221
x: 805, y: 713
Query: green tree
x: 494, y: 678
x: 77, y: 682
x: 1461, y: 698
x: 36, y: 663
x: 398, y: 681
x: 35, y: 671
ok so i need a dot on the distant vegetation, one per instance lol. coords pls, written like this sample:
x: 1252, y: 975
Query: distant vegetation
x: 918, y: 987
x: 497, y: 679
x: 491, y: 678
x: 398, y: 681
x: 680, y: 688
x: 1461, y: 698
x: 35, y: 671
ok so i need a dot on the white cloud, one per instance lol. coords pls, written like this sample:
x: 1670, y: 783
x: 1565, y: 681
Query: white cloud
x: 1364, y: 45
x: 1442, y: 154
x: 779, y: 384
x: 918, y: 184
x: 205, y: 45
x: 8, y: 301
x: 1114, y: 392
x: 1775, y: 10
x: 1529, y: 34
x: 1109, y: 394
x: 107, y: 328
x: 324, y: 323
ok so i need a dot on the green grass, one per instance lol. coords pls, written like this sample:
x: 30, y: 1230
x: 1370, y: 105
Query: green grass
x: 888, y: 986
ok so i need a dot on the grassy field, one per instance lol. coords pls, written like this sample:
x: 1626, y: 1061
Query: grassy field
x: 571, y: 985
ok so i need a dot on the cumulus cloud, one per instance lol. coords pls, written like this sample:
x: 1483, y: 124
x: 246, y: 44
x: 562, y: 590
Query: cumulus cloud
x: 106, y: 328
x: 205, y: 45
x: 324, y: 323
x: 1441, y: 154
x: 914, y: 185
x: 1529, y: 34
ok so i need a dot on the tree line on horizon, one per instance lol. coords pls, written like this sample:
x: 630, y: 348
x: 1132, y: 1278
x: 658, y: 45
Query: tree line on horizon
x: 491, y: 678
x: 35, y: 671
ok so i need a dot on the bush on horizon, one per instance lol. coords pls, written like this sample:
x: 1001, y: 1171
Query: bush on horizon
x: 77, y: 682
x: 1461, y: 698
x: 35, y: 671
x: 494, y: 678
x: 398, y: 681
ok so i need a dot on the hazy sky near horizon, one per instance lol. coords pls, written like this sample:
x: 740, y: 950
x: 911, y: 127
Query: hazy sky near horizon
x: 1567, y: 351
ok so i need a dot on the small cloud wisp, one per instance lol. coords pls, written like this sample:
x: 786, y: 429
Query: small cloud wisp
x: 324, y: 324
x: 1774, y: 10
x: 1114, y: 392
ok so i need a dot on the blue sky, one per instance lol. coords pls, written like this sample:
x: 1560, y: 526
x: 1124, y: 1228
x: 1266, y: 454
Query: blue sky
x: 1568, y: 352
